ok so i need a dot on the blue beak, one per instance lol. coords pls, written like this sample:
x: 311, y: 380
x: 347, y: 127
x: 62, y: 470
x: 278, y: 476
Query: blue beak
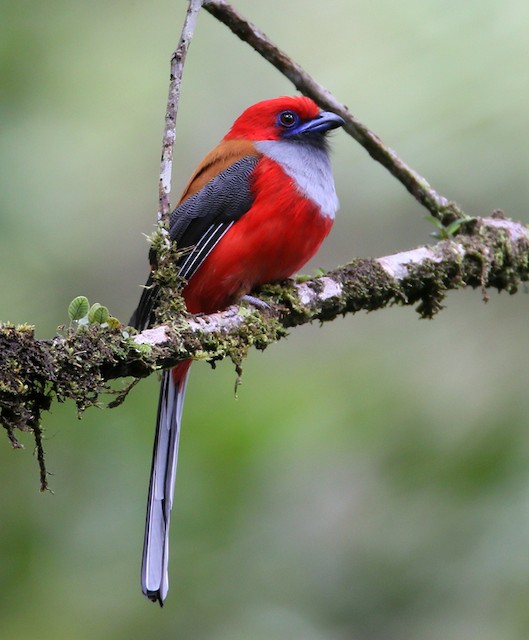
x: 323, y: 122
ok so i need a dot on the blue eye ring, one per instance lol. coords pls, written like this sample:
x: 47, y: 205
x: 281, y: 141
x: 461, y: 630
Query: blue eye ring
x: 287, y: 119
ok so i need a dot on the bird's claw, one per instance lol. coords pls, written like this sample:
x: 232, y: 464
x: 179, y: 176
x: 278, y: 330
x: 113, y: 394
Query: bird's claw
x: 256, y: 302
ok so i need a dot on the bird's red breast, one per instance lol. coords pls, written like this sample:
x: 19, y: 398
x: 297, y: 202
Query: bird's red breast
x: 279, y: 233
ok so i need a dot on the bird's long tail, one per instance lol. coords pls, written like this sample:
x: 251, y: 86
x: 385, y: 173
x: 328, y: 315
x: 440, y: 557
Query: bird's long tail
x: 154, y: 570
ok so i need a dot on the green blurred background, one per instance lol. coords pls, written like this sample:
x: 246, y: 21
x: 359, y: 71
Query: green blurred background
x: 372, y: 479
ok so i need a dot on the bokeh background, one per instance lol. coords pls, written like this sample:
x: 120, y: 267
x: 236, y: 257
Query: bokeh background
x: 371, y: 481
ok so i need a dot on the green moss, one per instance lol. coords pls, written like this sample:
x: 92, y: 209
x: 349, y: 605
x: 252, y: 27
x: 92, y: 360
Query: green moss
x: 164, y: 255
x: 34, y: 373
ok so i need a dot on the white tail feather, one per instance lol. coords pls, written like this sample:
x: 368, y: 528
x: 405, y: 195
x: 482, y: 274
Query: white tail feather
x: 154, y: 570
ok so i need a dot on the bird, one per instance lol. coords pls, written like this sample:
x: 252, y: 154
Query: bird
x: 255, y: 210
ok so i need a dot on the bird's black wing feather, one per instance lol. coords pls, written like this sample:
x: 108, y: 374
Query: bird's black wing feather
x: 198, y: 224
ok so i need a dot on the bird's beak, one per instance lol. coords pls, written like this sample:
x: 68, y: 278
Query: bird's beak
x: 324, y: 121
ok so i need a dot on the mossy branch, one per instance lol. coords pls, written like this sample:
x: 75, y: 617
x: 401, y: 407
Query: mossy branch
x: 487, y: 253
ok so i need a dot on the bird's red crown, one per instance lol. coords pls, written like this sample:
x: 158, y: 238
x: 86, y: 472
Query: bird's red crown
x: 262, y: 121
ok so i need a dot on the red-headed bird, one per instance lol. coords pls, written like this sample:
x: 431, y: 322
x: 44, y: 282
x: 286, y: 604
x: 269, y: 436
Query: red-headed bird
x: 255, y: 210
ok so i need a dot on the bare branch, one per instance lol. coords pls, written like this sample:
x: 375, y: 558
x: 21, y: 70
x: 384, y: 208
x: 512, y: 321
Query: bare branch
x: 169, y: 135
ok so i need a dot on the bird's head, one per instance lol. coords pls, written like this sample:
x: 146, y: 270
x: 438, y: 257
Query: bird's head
x: 286, y: 118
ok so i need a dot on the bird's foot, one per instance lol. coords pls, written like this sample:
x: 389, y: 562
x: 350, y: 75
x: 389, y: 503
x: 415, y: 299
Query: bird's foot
x: 256, y: 302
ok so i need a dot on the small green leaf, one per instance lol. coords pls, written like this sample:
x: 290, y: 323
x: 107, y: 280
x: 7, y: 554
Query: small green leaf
x: 436, y: 223
x: 113, y: 323
x: 454, y: 226
x: 98, y: 314
x: 444, y: 233
x: 78, y: 308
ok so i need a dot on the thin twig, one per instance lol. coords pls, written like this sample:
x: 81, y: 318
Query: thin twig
x: 437, y: 205
x: 169, y: 135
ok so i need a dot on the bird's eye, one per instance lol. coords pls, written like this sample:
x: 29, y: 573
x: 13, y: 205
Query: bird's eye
x: 287, y: 119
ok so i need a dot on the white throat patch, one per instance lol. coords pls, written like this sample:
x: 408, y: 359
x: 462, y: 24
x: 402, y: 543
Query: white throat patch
x: 309, y: 167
